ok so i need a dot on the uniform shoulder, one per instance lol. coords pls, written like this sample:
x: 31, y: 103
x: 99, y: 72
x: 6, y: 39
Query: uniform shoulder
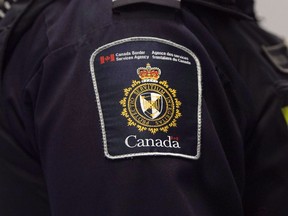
x: 68, y: 21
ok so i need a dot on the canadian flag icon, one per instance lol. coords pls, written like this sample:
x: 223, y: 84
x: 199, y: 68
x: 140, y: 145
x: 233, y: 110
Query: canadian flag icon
x: 105, y: 59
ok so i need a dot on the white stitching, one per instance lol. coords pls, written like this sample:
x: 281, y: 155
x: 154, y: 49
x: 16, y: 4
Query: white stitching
x: 2, y: 14
x: 5, y: 7
x: 199, y: 113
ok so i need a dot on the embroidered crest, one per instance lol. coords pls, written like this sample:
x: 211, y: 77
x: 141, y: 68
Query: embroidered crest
x: 156, y: 85
x: 150, y: 104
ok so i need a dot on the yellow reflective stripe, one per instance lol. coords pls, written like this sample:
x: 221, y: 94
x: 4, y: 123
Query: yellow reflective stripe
x: 285, y: 113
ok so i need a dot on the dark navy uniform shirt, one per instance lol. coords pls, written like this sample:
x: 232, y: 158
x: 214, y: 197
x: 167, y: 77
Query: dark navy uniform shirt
x: 142, y: 109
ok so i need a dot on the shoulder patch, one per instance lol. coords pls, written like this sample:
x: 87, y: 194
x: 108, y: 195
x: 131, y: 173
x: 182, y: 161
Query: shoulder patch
x: 278, y: 55
x: 149, y: 98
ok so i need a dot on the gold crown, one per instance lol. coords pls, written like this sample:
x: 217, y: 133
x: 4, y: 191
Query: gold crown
x: 148, y: 73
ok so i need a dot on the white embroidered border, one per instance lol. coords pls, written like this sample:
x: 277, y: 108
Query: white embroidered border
x: 199, y: 112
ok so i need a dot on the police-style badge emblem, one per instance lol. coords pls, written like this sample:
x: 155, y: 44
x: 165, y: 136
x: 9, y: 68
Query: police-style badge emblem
x: 148, y: 95
x: 150, y: 104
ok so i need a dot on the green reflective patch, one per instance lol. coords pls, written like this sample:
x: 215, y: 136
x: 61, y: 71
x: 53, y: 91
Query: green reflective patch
x: 285, y: 113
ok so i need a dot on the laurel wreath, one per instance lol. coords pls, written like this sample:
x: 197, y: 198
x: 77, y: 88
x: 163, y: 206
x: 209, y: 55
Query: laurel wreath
x: 152, y: 130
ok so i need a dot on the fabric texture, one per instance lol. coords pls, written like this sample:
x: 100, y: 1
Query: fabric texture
x: 83, y: 84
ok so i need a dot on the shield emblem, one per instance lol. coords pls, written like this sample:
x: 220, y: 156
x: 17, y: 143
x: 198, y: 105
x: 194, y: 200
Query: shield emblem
x: 151, y: 104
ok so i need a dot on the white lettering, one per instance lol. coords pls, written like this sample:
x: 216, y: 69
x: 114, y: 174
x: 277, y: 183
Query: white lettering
x: 158, y: 53
x: 138, y: 52
x: 140, y: 143
x: 151, y: 142
x: 139, y: 57
x: 175, y: 144
x: 123, y: 54
x: 167, y: 143
x: 133, y: 142
x: 127, y: 141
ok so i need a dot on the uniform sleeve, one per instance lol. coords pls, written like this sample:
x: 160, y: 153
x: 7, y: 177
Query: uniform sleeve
x: 123, y: 119
x: 266, y: 140
x: 126, y: 123
x: 267, y: 150
x: 22, y: 184
x: 264, y: 84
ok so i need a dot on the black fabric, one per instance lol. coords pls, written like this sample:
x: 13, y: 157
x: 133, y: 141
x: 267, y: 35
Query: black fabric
x: 168, y: 3
x: 52, y: 149
x: 238, y: 9
x: 20, y: 171
x: 265, y: 146
x: 12, y: 29
x: 7, y: 26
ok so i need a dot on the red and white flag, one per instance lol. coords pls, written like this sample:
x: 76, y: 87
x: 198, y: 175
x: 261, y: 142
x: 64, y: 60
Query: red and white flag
x: 105, y: 59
